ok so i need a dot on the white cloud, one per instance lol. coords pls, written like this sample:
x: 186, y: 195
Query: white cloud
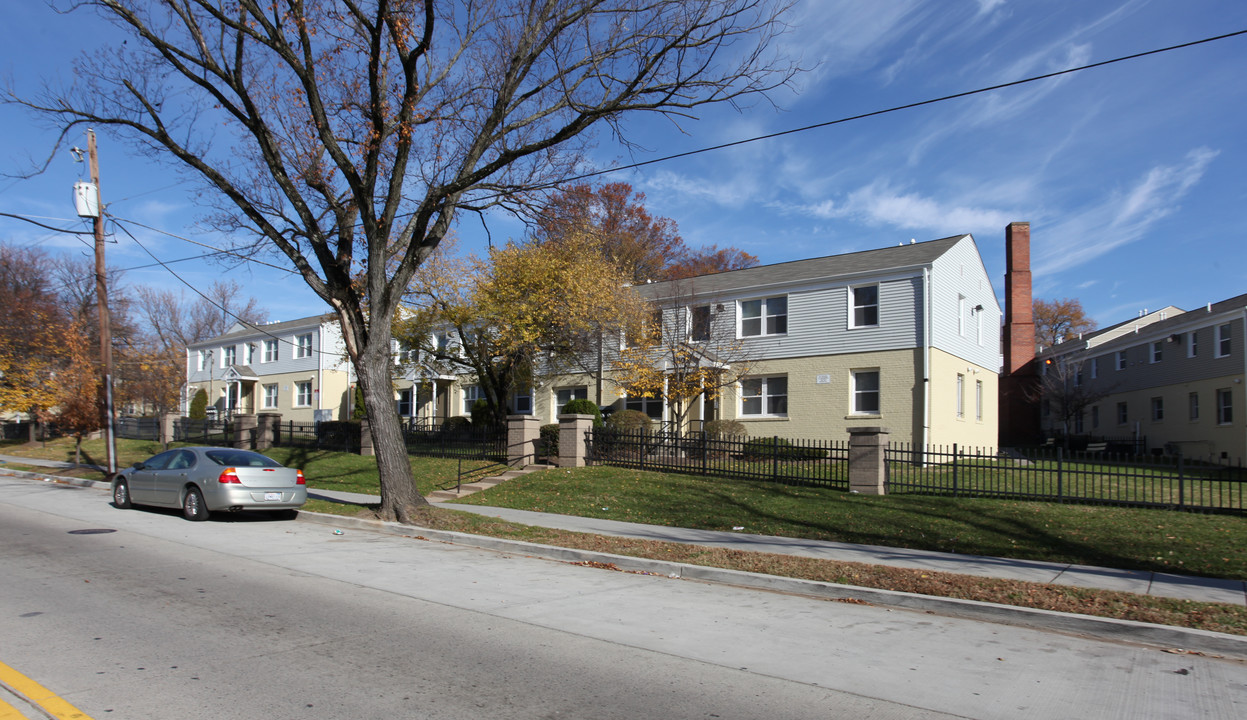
x: 879, y: 204
x: 1124, y: 217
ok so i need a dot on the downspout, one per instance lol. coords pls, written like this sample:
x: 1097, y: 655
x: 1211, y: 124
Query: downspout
x: 926, y: 362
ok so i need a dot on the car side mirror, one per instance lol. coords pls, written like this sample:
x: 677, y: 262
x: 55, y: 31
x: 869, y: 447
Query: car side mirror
x: 139, y: 466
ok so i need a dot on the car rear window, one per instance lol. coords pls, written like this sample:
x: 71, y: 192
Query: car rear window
x: 240, y: 458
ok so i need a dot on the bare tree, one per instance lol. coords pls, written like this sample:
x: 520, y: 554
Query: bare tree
x: 1065, y: 389
x: 347, y: 134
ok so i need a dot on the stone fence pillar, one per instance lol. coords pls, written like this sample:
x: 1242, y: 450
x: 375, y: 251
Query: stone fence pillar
x: 267, y: 429
x: 572, y: 429
x: 523, y: 434
x: 168, y: 430
x: 867, y: 468
x: 244, y: 431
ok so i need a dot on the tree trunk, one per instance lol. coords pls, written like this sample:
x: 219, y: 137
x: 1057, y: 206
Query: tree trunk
x: 399, y: 497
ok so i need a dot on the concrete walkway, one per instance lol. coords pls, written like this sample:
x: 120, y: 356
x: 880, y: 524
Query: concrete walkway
x: 1141, y: 582
x: 36, y: 462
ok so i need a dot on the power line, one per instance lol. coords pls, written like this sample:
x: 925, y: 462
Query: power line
x: 908, y: 106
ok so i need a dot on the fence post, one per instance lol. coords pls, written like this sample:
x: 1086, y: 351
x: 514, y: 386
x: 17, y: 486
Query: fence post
x: 266, y: 424
x: 1181, y: 483
x: 867, y: 466
x: 365, y: 438
x: 1060, y: 472
x: 705, y: 451
x: 956, y: 493
x: 572, y: 429
x: 167, y: 431
x: 523, y: 433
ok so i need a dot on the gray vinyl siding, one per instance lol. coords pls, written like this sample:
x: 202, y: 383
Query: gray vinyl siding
x: 328, y: 357
x: 958, y: 273
x: 1174, y: 368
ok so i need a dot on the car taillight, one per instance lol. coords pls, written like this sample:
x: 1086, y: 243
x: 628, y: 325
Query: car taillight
x: 299, y: 479
x: 229, y: 475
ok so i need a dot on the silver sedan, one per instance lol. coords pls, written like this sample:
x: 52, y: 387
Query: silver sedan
x: 200, y: 480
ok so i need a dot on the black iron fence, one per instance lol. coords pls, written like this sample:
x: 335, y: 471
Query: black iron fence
x: 1055, y: 474
x: 18, y: 430
x: 775, y: 459
x: 137, y: 428
x: 466, y: 443
x: 205, y: 432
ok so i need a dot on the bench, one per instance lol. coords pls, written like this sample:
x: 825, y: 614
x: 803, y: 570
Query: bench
x: 1097, y: 447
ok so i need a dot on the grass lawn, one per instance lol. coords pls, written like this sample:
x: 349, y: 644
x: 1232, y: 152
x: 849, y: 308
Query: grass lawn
x: 1127, y: 538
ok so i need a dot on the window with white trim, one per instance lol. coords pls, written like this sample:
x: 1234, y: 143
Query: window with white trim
x: 565, y: 395
x: 1192, y: 403
x: 1192, y: 344
x: 764, y: 316
x: 1158, y: 409
x: 303, y: 394
x: 229, y: 356
x: 1223, y: 340
x: 699, y: 323
x: 1095, y: 368
x: 270, y: 351
x: 201, y: 360
x: 764, y: 396
x: 522, y: 402
x: 303, y: 345
x: 865, y: 390
x: 978, y: 400
x: 1121, y: 359
x: 1078, y: 424
x: 865, y: 306
x: 961, y: 315
x: 1225, y: 407
x: 651, y: 406
x: 961, y: 396
x: 1158, y: 351
x: 1122, y: 416
x: 403, y: 403
x: 471, y: 394
x: 270, y: 397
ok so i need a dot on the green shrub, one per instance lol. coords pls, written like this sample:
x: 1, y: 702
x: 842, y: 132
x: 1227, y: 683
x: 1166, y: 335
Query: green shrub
x: 632, y: 420
x: 457, y: 424
x: 550, y: 436
x: 360, y: 410
x: 724, y: 429
x: 768, y: 448
x: 199, y: 405
x: 584, y: 406
x: 482, y: 416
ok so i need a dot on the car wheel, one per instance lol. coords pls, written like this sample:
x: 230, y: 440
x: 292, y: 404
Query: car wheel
x: 193, y: 507
x: 287, y: 514
x: 121, y: 494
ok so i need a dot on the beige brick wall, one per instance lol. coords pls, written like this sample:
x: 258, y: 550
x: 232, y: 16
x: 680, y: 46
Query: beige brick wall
x: 966, y: 429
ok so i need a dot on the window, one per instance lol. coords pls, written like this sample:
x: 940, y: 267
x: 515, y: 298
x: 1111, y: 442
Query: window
x: 1192, y: 403
x: 201, y: 360
x: 961, y: 396
x: 1158, y: 351
x: 764, y: 396
x: 303, y: 346
x: 866, y: 392
x: 699, y: 330
x: 1158, y: 409
x: 764, y: 317
x: 1223, y: 340
x: 1078, y: 426
x: 229, y: 356
x: 1078, y: 375
x: 651, y: 406
x: 978, y: 324
x: 403, y: 404
x: 1192, y: 344
x: 1121, y: 359
x: 1095, y: 368
x: 1225, y: 407
x: 248, y: 353
x: 1095, y: 416
x: 865, y: 306
x: 471, y: 394
x: 1122, y: 417
x: 522, y: 402
x: 961, y: 315
x: 978, y: 400
x: 303, y: 394
x: 270, y: 396
x: 270, y: 351
x: 566, y: 395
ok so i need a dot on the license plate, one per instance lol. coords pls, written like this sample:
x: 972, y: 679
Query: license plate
x: 272, y: 496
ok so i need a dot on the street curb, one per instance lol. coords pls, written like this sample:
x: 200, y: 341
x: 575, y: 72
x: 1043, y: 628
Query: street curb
x: 1188, y: 640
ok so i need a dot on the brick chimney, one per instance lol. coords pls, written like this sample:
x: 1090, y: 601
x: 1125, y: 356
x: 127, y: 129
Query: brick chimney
x: 1019, y: 404
x: 1019, y: 338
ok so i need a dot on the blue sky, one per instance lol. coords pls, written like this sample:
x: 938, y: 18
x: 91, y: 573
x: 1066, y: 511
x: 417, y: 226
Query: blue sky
x: 1132, y: 176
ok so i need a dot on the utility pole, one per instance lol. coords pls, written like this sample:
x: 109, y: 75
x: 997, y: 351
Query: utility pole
x: 101, y: 299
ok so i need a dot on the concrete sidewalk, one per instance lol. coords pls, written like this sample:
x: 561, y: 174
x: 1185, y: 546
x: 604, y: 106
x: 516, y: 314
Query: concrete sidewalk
x: 1140, y: 582
x: 36, y: 462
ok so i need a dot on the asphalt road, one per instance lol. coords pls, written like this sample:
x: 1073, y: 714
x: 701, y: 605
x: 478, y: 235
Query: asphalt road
x: 244, y: 618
